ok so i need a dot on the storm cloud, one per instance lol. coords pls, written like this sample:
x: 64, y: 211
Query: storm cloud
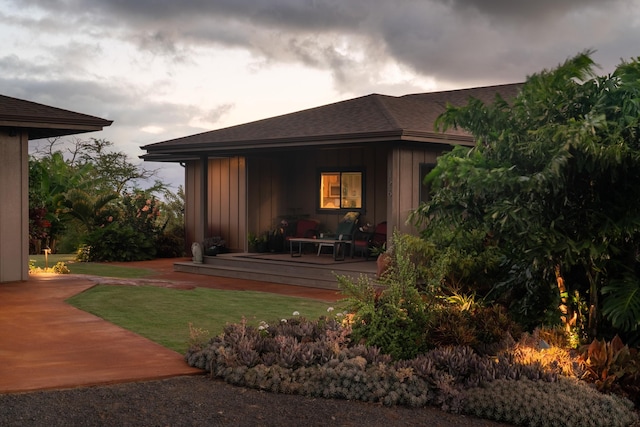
x: 363, y: 46
x: 448, y: 40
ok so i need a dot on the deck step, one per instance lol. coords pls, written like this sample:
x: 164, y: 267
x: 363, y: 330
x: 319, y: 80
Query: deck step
x: 284, y: 270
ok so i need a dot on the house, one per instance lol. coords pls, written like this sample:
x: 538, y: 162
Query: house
x: 21, y: 121
x: 367, y: 154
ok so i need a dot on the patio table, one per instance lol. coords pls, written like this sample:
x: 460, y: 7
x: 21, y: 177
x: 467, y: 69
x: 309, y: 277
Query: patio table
x: 336, y: 244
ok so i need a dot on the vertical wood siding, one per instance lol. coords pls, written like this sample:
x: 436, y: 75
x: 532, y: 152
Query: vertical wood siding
x: 14, y: 209
x: 404, y: 184
x: 252, y: 194
x: 226, y: 201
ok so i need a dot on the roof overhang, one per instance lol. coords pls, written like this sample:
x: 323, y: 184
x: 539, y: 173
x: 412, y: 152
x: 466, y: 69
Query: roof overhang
x: 50, y: 130
x: 186, y: 152
x: 42, y: 121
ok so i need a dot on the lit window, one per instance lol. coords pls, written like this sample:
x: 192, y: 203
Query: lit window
x: 341, y: 190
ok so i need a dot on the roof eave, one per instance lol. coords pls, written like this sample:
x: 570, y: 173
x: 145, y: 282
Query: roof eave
x: 49, y: 122
x: 190, y: 151
x: 54, y: 128
x: 305, y: 141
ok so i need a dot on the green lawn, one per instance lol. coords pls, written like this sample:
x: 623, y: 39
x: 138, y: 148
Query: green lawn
x: 163, y: 315
x: 93, y: 268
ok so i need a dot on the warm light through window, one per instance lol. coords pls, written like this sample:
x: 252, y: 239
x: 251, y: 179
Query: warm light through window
x: 341, y: 190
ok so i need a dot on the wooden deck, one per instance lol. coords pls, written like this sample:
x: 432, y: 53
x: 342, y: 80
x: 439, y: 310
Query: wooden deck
x: 308, y: 270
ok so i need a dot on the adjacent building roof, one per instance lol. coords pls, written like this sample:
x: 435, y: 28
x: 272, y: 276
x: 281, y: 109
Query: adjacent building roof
x: 43, y: 121
x: 371, y: 118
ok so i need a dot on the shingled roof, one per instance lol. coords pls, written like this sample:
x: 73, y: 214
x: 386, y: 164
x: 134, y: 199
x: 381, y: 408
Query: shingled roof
x: 43, y: 121
x: 371, y: 118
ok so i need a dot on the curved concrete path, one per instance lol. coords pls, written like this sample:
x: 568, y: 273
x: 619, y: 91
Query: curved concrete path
x: 48, y: 344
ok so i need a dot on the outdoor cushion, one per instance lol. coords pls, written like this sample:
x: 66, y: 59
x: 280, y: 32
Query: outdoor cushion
x: 305, y: 228
x: 379, y: 237
x: 347, y: 226
x: 365, y: 242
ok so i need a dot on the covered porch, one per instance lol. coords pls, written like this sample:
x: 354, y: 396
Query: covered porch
x: 254, y: 195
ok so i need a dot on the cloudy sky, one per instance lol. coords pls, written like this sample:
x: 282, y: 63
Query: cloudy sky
x: 161, y: 69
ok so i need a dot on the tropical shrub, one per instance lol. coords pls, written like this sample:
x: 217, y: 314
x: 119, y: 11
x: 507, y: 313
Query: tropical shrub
x: 550, y: 189
x: 119, y: 242
x: 394, y: 316
x: 613, y: 366
x: 129, y: 233
x: 486, y: 329
x: 77, y: 187
x: 170, y: 243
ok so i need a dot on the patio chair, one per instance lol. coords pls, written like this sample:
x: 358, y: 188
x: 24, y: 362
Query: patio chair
x: 307, y: 228
x: 362, y: 240
x: 346, y: 230
x: 302, y: 228
x: 366, y: 242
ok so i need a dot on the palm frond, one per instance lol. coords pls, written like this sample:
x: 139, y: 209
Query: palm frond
x: 621, y: 304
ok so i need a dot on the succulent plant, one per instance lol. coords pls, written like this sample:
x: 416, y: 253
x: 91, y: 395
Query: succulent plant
x: 517, y: 385
x: 565, y: 402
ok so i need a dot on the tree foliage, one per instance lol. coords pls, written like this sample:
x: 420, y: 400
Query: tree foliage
x: 552, y: 185
x: 84, y: 192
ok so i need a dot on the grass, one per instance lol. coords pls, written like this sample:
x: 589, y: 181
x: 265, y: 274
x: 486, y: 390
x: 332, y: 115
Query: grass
x: 163, y: 315
x: 92, y: 268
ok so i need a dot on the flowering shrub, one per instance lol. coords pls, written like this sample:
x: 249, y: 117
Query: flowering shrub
x: 130, y: 236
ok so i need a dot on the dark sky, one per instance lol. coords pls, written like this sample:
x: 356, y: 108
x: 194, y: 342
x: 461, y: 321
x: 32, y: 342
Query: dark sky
x: 167, y: 68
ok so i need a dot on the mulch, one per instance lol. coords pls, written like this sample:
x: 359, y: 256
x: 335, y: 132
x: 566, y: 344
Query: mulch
x: 202, y: 401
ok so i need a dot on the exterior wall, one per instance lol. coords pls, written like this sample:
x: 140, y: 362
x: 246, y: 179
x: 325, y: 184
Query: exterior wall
x: 14, y: 209
x: 285, y: 185
x: 405, y: 182
x: 226, y: 202
x: 267, y: 178
x: 253, y: 194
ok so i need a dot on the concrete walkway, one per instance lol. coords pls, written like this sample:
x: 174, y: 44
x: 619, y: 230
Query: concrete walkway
x: 48, y: 344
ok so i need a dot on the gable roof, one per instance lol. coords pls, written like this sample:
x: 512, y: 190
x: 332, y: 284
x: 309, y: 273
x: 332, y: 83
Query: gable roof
x: 365, y: 119
x: 43, y: 121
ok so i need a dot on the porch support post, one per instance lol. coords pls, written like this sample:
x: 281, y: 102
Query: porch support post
x: 201, y: 223
x: 14, y: 208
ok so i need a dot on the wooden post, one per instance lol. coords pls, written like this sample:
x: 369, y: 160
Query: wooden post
x: 202, y: 220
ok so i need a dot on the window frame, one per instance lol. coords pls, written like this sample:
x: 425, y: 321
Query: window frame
x: 340, y: 171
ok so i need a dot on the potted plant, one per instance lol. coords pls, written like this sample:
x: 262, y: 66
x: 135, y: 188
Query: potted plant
x: 259, y: 243
x: 262, y: 243
x: 213, y: 246
x: 252, y: 240
x: 384, y: 259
